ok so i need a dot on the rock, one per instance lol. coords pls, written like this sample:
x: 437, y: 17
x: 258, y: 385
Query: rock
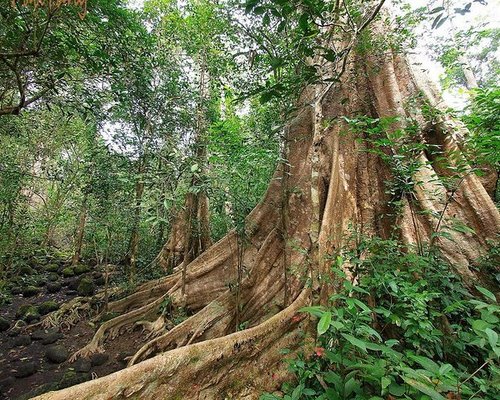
x: 52, y: 337
x: 26, y: 270
x: 52, y: 268
x: 30, y: 291
x: 38, y: 334
x: 4, y: 324
x: 71, y: 293
x: 28, y: 313
x: 46, y: 336
x: 86, y: 287
x: 22, y: 340
x: 68, y: 272
x: 57, y: 354
x: 53, y: 277
x: 31, y: 315
x: 98, y: 359
x: 81, y: 269
x: 53, y: 287
x: 26, y: 369
x: 71, y: 378
x: 72, y: 283
x: 82, y: 365
x: 47, y: 307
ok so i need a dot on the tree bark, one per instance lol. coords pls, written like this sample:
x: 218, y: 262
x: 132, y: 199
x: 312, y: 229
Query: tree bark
x: 80, y: 232
x: 337, y: 184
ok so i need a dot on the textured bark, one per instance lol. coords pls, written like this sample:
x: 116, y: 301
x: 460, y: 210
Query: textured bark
x: 335, y: 185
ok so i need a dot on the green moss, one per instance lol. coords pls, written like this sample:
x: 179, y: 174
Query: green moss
x: 68, y: 272
x: 52, y: 268
x: 48, y: 307
x: 86, y: 287
x: 81, y: 269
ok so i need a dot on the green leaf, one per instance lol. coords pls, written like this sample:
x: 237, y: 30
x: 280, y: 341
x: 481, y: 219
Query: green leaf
x: 304, y: 22
x: 422, y: 387
x: 487, y: 293
x: 492, y: 337
x: 324, y: 322
x: 384, y: 382
x: 355, y: 341
x: 425, y: 362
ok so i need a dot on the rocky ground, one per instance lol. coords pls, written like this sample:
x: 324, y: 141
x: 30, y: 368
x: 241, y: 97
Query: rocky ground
x: 34, y: 360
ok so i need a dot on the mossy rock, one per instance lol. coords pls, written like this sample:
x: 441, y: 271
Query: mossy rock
x: 53, y: 287
x: 71, y: 378
x: 26, y: 270
x: 53, y: 277
x: 52, y: 268
x: 30, y: 291
x: 86, y: 287
x: 81, y: 269
x: 68, y: 272
x: 31, y: 315
x: 48, y: 307
x: 4, y: 324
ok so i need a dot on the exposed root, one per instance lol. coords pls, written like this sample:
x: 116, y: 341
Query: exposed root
x: 68, y: 315
x: 156, y: 328
x: 112, y: 328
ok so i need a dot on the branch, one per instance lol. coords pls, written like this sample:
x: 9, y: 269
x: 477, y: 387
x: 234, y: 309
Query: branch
x: 372, y: 17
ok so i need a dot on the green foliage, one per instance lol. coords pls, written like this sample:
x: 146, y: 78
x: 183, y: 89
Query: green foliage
x: 426, y: 337
x: 483, y: 119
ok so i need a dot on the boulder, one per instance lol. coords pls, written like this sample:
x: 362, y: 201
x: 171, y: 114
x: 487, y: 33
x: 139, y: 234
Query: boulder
x: 52, y: 337
x: 57, y: 354
x: 68, y: 272
x: 22, y: 340
x: 82, y: 365
x: 81, y: 269
x: 28, y: 368
x: 4, y: 324
x: 98, y: 359
x: 86, y: 287
x: 30, y: 291
x: 47, y: 307
x: 53, y: 287
x: 71, y: 378
x: 52, y: 268
x: 28, y: 313
x: 52, y: 277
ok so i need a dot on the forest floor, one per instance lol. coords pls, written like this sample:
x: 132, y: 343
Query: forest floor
x: 34, y: 360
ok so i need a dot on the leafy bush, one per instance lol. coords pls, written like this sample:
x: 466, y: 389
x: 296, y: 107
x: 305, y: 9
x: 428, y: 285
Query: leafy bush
x: 423, y: 337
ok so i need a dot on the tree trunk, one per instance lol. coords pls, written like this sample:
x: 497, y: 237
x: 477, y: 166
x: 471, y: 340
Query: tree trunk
x: 80, y: 232
x: 337, y: 185
x: 134, y: 235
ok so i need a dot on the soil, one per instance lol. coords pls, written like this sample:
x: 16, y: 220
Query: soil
x: 48, y: 376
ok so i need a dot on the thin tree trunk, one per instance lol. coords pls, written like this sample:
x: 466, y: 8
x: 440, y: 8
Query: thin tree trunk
x: 134, y: 235
x: 80, y: 231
